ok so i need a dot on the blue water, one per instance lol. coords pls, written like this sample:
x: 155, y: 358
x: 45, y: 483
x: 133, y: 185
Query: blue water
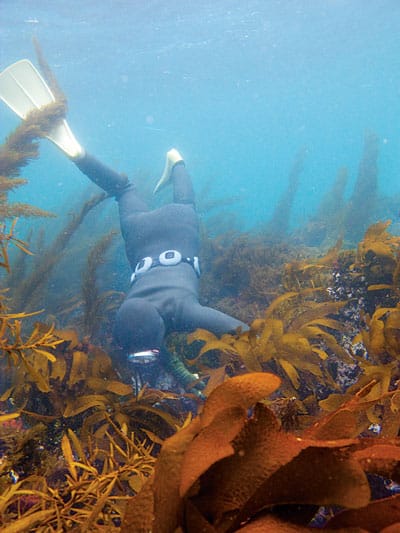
x: 237, y: 86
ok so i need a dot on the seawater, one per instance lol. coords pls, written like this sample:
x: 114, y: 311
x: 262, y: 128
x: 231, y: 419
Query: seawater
x: 238, y: 87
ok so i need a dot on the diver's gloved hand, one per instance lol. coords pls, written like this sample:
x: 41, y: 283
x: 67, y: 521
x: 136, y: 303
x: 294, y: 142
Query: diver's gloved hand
x: 189, y: 381
x: 173, y: 157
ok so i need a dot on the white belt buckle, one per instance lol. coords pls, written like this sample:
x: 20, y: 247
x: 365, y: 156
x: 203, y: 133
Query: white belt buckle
x: 167, y: 258
x: 196, y: 265
x: 170, y: 258
x: 143, y: 266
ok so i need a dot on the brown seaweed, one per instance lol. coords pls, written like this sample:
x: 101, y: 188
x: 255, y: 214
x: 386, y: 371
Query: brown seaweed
x: 29, y: 289
x: 266, y: 451
x: 95, y: 302
x: 327, y: 225
x: 226, y: 469
x: 48, y: 74
x: 363, y: 201
x: 278, y: 227
x: 19, y: 148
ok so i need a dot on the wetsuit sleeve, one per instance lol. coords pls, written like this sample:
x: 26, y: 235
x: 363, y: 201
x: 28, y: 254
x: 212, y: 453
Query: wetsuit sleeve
x: 183, y: 188
x: 110, y: 181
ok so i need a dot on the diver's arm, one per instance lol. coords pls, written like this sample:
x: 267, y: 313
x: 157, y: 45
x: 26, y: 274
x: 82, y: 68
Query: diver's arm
x: 109, y: 180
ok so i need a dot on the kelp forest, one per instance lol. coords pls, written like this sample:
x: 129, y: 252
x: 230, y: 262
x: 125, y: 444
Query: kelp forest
x: 297, y: 428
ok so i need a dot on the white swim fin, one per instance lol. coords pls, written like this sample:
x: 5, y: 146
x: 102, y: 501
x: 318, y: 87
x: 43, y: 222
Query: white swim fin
x: 173, y: 157
x: 23, y: 89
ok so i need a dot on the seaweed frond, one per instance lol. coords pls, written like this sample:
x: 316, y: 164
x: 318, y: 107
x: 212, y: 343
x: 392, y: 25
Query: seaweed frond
x: 75, y: 384
x: 229, y: 470
x: 363, y: 201
x: 90, y: 491
x: 21, y: 146
x: 7, y: 236
x: 48, y: 74
x: 278, y: 227
x: 95, y: 302
x: 29, y: 289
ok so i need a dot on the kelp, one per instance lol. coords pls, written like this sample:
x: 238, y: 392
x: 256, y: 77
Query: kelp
x: 311, y: 273
x: 337, y: 217
x: 7, y: 237
x: 90, y: 492
x: 377, y: 254
x: 19, y: 148
x: 28, y: 290
x: 298, y: 332
x: 324, y: 334
x: 79, y: 379
x: 18, y: 350
x: 327, y: 225
x: 95, y: 302
x: 363, y: 201
x: 48, y: 74
x: 241, y: 277
x: 230, y: 471
x: 294, y: 339
x: 278, y: 226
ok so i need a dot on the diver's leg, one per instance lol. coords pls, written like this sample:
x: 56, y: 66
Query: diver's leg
x: 105, y: 177
x: 183, y: 188
x: 175, y: 171
x: 129, y: 203
x: 113, y: 183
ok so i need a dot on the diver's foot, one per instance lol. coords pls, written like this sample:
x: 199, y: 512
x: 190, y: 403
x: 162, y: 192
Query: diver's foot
x: 173, y: 157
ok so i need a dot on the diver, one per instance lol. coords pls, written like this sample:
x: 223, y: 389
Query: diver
x: 162, y: 245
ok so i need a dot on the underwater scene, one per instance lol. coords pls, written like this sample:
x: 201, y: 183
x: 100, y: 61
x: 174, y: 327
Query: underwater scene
x: 200, y: 266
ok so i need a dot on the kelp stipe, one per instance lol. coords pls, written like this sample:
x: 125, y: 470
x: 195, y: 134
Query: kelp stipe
x: 48, y: 74
x: 363, y: 201
x: 19, y: 148
x: 327, y: 225
x: 96, y: 303
x: 277, y: 228
x: 98, y: 468
x: 28, y: 291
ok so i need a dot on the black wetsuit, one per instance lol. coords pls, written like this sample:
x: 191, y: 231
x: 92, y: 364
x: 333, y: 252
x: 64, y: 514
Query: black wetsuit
x: 165, y: 298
